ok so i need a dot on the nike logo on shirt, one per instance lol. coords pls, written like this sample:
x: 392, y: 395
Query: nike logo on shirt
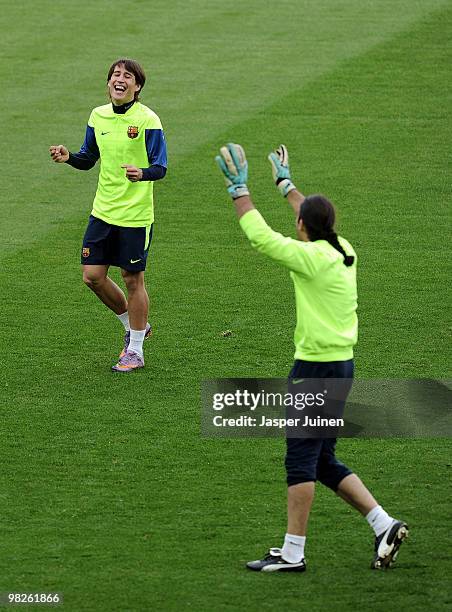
x: 132, y: 261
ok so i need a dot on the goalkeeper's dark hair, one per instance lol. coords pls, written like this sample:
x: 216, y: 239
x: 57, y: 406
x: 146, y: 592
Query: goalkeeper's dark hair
x: 318, y: 216
x: 131, y: 66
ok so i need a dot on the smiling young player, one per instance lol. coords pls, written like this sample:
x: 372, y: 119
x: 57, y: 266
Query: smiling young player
x: 128, y: 138
x: 323, y: 269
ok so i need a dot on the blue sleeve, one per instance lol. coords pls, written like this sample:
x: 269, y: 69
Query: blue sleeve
x: 156, y: 148
x: 88, y: 154
x: 153, y: 173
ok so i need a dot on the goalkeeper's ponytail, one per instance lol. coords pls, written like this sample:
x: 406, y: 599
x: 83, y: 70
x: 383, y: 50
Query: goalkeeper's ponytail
x: 318, y: 216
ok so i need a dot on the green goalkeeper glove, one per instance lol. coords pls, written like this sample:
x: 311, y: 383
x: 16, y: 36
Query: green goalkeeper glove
x: 232, y: 162
x: 279, y: 160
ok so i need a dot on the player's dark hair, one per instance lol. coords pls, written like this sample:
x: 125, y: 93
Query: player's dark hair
x: 318, y: 216
x: 131, y: 66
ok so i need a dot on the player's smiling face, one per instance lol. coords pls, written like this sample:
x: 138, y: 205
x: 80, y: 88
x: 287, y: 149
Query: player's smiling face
x: 122, y: 86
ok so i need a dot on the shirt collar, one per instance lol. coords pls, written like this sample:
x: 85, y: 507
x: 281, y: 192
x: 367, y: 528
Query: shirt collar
x: 123, y: 108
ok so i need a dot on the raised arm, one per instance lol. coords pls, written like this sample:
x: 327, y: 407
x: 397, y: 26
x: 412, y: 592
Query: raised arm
x: 279, y: 161
x: 295, y: 199
x: 286, y: 251
x: 232, y: 163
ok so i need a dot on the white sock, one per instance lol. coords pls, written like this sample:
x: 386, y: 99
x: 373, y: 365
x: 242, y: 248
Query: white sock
x: 293, y: 549
x: 124, y: 318
x: 136, y: 341
x: 379, y: 520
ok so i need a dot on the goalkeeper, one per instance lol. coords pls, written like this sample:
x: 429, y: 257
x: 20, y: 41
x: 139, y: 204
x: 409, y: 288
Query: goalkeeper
x: 323, y: 269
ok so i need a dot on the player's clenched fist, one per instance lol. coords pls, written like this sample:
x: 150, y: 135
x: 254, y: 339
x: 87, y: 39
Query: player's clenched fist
x: 59, y: 154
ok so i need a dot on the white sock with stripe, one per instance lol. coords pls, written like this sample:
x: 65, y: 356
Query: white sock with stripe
x: 136, y: 341
x: 379, y: 520
x: 293, y: 549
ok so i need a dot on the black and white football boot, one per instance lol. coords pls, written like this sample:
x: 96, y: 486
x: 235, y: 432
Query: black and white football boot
x: 273, y: 562
x: 388, y: 543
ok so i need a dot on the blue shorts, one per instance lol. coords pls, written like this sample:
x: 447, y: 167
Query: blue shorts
x: 311, y: 459
x: 112, y: 245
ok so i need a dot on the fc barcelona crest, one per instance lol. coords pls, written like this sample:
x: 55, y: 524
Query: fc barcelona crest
x: 85, y: 252
x: 132, y: 131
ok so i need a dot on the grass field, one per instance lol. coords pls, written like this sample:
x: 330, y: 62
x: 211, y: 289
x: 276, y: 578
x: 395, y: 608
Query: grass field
x: 108, y: 492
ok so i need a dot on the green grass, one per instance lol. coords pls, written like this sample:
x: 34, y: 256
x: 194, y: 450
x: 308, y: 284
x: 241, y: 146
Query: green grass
x: 108, y: 492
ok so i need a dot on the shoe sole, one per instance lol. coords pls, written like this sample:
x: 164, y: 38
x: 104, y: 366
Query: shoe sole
x: 113, y: 369
x: 301, y: 568
x: 275, y: 567
x: 393, y: 549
